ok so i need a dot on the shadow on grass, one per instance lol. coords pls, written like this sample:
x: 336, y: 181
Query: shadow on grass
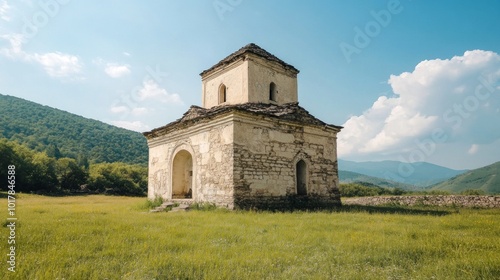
x: 294, y: 203
x: 382, y: 209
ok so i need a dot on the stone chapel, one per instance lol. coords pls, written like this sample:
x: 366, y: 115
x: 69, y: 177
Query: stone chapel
x: 249, y: 145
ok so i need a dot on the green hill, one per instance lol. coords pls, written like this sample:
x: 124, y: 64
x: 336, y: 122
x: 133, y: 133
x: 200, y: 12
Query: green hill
x: 352, y: 177
x: 485, y: 178
x: 63, y: 134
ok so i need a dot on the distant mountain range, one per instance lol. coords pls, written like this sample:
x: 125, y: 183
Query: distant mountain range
x: 420, y: 174
x: 62, y: 134
x: 352, y: 177
x: 485, y: 178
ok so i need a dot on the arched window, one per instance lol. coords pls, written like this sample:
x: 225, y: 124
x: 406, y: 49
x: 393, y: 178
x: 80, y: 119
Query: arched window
x: 182, y: 175
x: 272, y: 91
x: 222, y: 93
x: 301, y: 179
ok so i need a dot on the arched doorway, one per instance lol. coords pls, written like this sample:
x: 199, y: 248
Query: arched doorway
x: 301, y: 179
x: 182, y: 175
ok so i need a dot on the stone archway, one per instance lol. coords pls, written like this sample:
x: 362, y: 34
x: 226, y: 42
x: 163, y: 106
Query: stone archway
x: 182, y: 175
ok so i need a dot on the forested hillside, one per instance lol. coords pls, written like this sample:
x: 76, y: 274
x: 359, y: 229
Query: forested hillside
x: 485, y: 179
x: 62, y: 134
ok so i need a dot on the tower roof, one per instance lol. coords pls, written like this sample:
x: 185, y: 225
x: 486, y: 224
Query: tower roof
x: 254, y: 49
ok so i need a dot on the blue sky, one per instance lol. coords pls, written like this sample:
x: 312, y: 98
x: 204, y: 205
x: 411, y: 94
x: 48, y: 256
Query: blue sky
x: 409, y: 80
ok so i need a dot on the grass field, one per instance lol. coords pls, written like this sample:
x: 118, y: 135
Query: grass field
x: 99, y: 237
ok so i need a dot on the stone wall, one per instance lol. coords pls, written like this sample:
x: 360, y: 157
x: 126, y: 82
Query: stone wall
x: 246, y: 161
x: 265, y: 158
x: 234, y: 77
x: 260, y: 75
x: 211, y: 147
x: 248, y: 81
x: 480, y: 201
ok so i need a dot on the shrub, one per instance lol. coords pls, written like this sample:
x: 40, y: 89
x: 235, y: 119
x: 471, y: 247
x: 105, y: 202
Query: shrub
x: 473, y: 192
x: 367, y: 189
x: 437, y: 192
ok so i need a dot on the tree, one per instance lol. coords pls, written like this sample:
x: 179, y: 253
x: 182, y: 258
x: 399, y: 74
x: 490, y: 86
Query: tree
x: 21, y: 157
x: 45, y: 170
x: 53, y: 151
x: 83, y: 161
x: 118, y: 178
x: 355, y: 189
x: 69, y: 174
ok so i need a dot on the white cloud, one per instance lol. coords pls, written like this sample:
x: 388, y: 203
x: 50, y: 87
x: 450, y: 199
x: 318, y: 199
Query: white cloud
x: 4, y: 10
x: 119, y: 109
x: 55, y: 64
x: 58, y: 65
x: 115, y: 70
x: 458, y: 96
x: 14, y: 50
x: 138, y: 111
x: 131, y: 125
x: 151, y: 90
x: 473, y: 149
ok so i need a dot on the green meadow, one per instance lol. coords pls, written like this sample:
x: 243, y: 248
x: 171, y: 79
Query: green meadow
x: 106, y: 237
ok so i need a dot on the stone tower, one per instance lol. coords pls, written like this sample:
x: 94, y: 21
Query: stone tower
x: 249, y: 145
x: 249, y: 75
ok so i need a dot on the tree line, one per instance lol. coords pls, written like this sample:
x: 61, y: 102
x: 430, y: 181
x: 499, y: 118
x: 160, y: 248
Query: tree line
x: 50, y: 173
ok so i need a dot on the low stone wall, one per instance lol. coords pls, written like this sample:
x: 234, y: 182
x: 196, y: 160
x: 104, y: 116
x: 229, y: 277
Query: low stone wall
x: 480, y: 201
